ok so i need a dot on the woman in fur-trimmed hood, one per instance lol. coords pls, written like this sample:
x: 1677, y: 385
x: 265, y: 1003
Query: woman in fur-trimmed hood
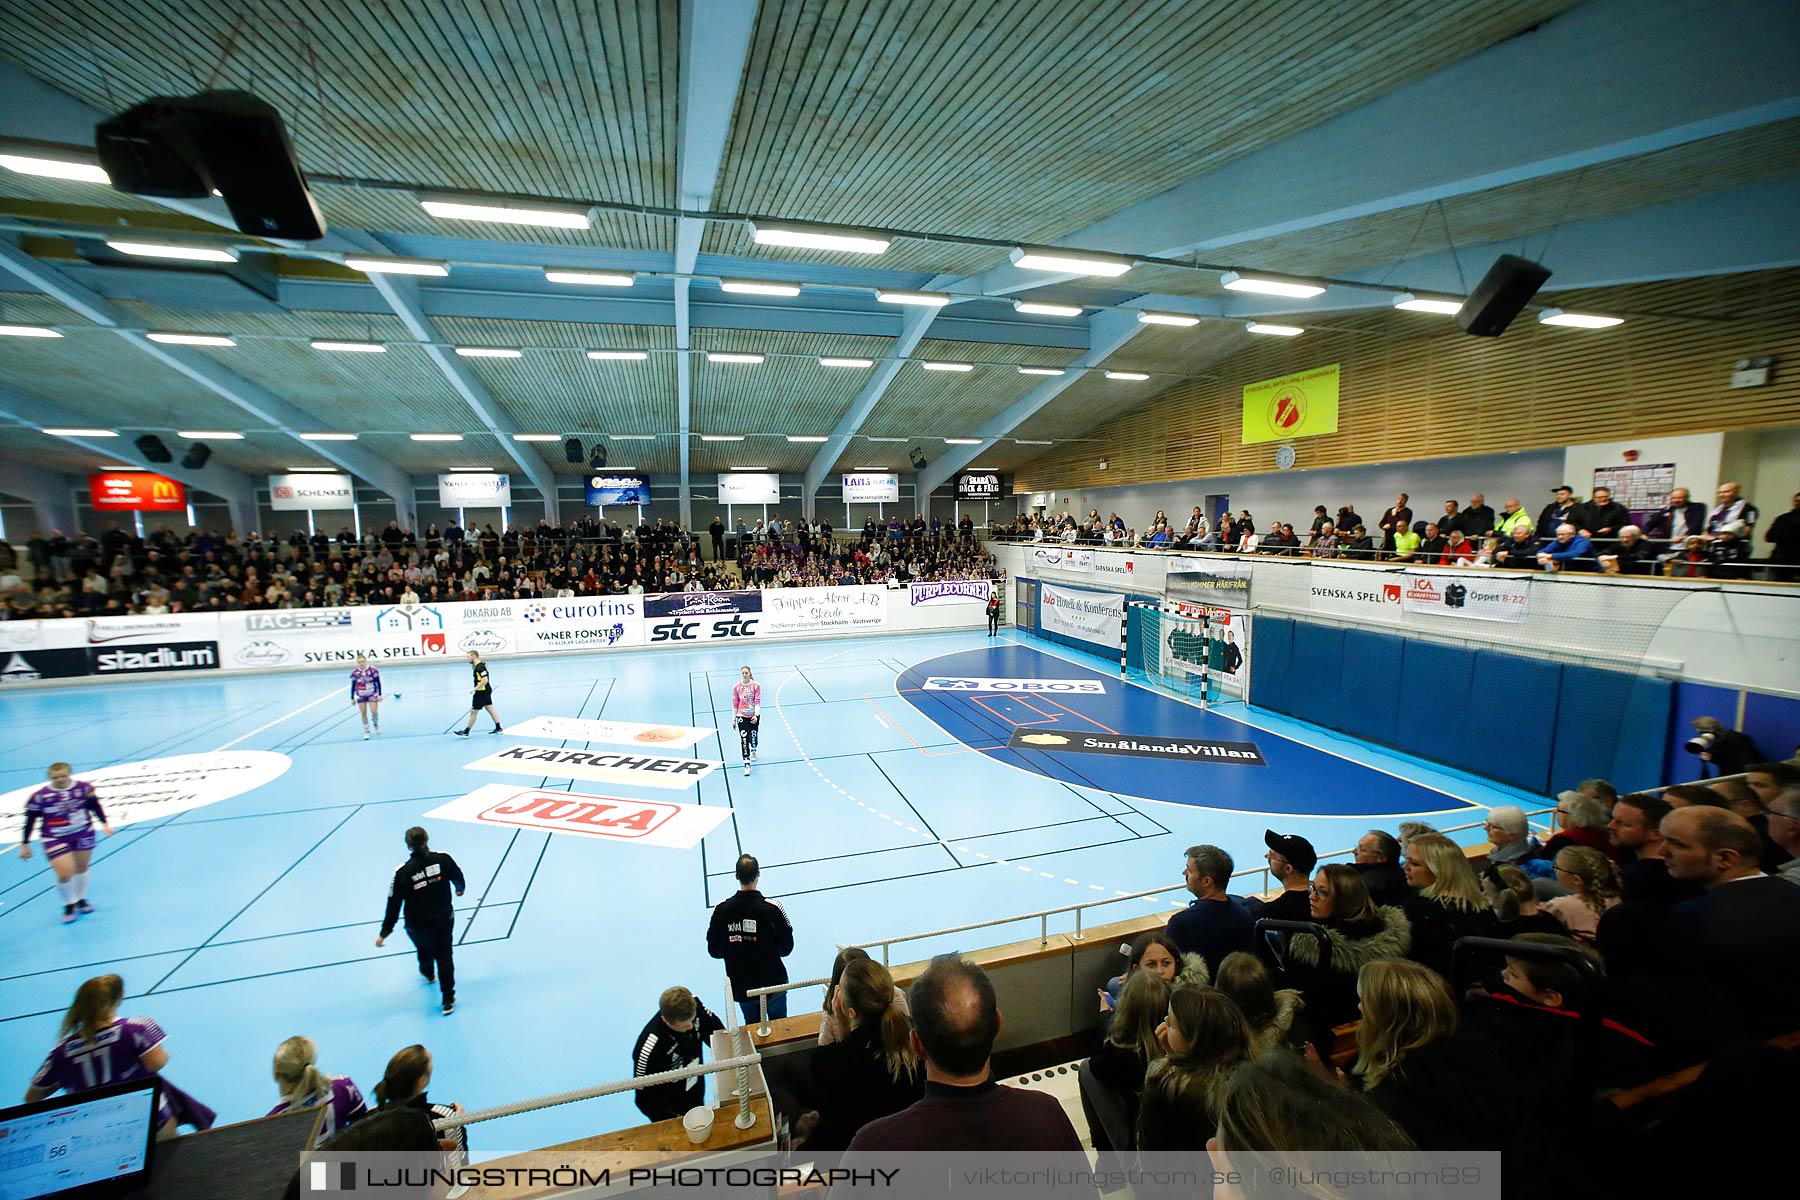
x: 1273, y: 1016
x: 1359, y: 932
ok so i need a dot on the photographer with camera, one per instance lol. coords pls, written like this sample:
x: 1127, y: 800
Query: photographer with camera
x: 1727, y: 749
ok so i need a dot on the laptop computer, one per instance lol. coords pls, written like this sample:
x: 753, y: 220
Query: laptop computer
x: 88, y: 1146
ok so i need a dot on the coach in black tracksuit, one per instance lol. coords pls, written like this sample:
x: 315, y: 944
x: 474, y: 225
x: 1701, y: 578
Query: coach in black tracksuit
x: 422, y: 886
x: 752, y: 935
x: 669, y: 1041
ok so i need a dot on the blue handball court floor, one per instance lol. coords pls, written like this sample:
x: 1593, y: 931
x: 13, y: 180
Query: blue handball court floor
x: 889, y: 797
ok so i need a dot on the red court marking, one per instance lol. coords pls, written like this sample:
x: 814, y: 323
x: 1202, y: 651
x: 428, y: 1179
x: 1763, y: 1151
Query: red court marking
x: 1084, y: 717
x: 1048, y: 717
x: 894, y: 721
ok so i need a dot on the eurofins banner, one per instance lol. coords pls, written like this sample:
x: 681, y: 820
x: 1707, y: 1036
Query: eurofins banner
x: 1303, y: 404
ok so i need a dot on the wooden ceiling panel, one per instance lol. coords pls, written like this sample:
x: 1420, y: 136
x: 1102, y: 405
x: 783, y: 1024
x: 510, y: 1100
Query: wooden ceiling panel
x: 931, y: 405
x: 780, y: 395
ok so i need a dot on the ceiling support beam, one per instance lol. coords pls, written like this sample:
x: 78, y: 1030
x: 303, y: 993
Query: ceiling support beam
x: 1106, y: 332
x: 50, y: 493
x: 912, y: 329
x: 270, y: 410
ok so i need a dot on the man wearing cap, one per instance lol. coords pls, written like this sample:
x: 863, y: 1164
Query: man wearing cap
x: 1559, y: 511
x: 1291, y: 860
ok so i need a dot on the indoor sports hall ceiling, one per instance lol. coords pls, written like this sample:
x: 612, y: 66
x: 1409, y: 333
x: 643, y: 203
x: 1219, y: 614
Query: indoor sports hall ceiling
x: 1375, y: 142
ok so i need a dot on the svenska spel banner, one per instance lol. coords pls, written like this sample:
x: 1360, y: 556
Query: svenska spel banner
x: 1291, y: 406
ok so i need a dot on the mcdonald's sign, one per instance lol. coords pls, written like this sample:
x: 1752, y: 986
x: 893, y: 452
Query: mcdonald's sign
x: 136, y: 491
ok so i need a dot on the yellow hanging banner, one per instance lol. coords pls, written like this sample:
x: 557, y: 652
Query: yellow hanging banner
x: 1292, y: 406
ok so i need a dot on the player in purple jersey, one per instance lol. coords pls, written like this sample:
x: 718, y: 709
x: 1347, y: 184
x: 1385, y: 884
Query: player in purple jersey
x: 365, y: 693
x: 99, y: 1047
x: 68, y: 809
x: 303, y: 1085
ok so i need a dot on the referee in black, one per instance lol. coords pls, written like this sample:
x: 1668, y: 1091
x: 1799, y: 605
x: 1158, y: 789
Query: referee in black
x: 482, y: 696
x: 422, y: 886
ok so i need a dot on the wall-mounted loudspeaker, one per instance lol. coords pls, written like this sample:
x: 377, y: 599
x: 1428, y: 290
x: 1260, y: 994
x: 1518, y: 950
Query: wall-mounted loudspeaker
x: 196, y: 456
x: 1501, y: 295
x: 151, y: 447
x: 597, y: 459
x: 572, y: 450
x: 918, y: 459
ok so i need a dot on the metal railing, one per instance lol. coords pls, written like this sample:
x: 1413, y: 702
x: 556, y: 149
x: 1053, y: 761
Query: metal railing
x: 1042, y: 916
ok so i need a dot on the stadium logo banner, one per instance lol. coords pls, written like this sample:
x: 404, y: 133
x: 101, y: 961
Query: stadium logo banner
x: 26, y: 666
x: 864, y: 488
x: 1086, y: 616
x: 136, y: 491
x: 475, y: 489
x: 1224, y: 583
x: 644, y: 822
x: 615, y: 733
x: 604, y: 766
x: 977, y: 485
x: 165, y: 656
x: 805, y: 610
x: 162, y: 787
x: 1067, y: 687
x: 701, y: 604
x: 1483, y: 597
x: 1348, y: 592
x: 949, y: 591
x: 1078, y: 741
x: 1291, y: 406
x: 617, y: 489
x: 310, y: 493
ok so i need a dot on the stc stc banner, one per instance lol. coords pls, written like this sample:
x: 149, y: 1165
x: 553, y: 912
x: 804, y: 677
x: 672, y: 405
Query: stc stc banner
x: 136, y: 491
x: 1291, y: 406
x: 1087, y: 616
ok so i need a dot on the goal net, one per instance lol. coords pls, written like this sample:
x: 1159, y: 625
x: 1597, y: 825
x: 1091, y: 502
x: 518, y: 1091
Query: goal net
x: 1192, y: 649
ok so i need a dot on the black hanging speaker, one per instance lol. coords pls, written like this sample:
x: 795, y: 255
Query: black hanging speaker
x: 1501, y: 295
x: 597, y: 460
x: 572, y: 450
x: 196, y: 456
x: 151, y: 447
x: 918, y: 459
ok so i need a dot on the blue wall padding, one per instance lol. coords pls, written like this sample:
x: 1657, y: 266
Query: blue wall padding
x: 1523, y: 691
x: 1774, y: 722
x: 1434, y: 716
x: 1317, y: 668
x: 1271, y: 662
x: 1643, y: 735
x: 1368, y: 703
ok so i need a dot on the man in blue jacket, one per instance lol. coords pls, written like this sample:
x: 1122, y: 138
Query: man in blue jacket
x: 1568, y: 551
x: 1213, y: 924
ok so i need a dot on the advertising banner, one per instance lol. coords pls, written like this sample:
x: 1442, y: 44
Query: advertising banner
x: 1183, y: 649
x: 579, y: 622
x: 615, y: 818
x: 865, y: 488
x: 697, y: 604
x: 475, y: 489
x: 949, y: 591
x: 1091, y: 617
x: 152, y: 788
x: 160, y: 656
x: 135, y: 491
x: 1061, y: 558
x: 1347, y: 592
x: 310, y: 492
x: 614, y: 733
x: 761, y: 487
x: 1303, y: 404
x: 977, y: 485
x: 809, y: 609
x: 1225, y: 582
x: 1077, y: 687
x: 617, y: 489
x: 300, y: 620
x: 26, y: 666
x: 605, y: 766
x: 1483, y: 597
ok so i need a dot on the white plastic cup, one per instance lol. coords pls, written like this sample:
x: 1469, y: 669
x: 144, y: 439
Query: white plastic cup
x: 698, y: 1123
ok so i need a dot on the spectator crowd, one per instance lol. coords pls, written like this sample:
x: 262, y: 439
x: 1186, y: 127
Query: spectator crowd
x: 893, y: 553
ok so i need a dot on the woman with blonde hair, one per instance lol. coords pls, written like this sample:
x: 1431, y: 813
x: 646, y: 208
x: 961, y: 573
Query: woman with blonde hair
x: 1205, y: 1035
x: 1515, y: 903
x: 1446, y: 903
x: 1131, y: 1045
x: 303, y: 1085
x: 1593, y: 883
x: 874, y: 1070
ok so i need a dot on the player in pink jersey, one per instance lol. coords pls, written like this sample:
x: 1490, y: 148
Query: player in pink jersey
x: 746, y: 709
x: 365, y: 693
x: 68, y: 809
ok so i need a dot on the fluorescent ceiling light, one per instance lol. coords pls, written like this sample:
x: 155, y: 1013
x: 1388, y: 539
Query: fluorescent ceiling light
x: 1030, y: 442
x: 551, y: 216
x: 1039, y: 308
x: 174, y: 250
x: 721, y: 437
x: 1156, y: 318
x: 1275, y: 330
x: 749, y: 469
x: 435, y: 437
x: 217, y: 435
x: 481, y: 470
x: 1042, y: 371
x: 352, y: 347
x: 1412, y: 303
x: 1069, y: 262
x: 881, y: 439
x: 947, y: 366
x: 84, y: 433
x: 1556, y: 316
x: 590, y: 278
x: 328, y: 437
x: 734, y: 358
x: 122, y: 467
x: 757, y: 287
x: 618, y: 355
x: 868, y: 468
x: 191, y: 339
x: 794, y: 437
x: 1133, y: 375
x: 537, y: 437
x: 962, y: 441
x: 981, y: 468
x: 53, y: 168
x: 396, y: 266
x: 1268, y: 287
x: 632, y: 437
x: 922, y: 299
x: 313, y: 470
x: 846, y: 362
x: 32, y: 331
x: 488, y: 352
x: 807, y: 238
